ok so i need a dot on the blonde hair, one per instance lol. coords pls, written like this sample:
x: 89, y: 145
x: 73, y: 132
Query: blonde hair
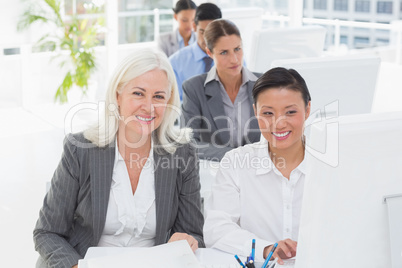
x: 166, y: 138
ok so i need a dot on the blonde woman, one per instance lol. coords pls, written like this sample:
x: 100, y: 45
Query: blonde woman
x: 131, y: 181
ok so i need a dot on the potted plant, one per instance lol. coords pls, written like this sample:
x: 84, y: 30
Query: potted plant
x: 77, y: 36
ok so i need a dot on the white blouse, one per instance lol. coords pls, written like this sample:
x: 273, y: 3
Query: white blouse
x: 130, y: 219
x: 251, y: 199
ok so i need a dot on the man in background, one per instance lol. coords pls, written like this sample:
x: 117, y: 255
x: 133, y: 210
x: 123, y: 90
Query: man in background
x: 193, y: 59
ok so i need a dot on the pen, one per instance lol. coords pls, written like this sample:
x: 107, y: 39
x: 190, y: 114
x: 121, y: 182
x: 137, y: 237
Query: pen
x: 237, y: 258
x: 273, y: 263
x: 253, y: 250
x: 264, y: 265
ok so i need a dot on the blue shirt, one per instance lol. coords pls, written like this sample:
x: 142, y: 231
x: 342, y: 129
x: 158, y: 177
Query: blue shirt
x: 187, y: 62
x: 180, y: 40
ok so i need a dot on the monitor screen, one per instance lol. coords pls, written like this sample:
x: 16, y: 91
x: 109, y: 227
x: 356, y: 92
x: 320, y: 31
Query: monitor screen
x: 341, y: 85
x: 268, y: 45
x: 353, y: 162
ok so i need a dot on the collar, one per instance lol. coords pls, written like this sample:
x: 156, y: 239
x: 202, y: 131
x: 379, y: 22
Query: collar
x: 181, y: 40
x: 302, y: 166
x: 179, y: 37
x: 117, y: 155
x: 198, y: 53
x: 267, y: 164
x: 247, y: 76
x: 262, y: 153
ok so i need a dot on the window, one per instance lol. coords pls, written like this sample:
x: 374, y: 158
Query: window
x: 320, y: 4
x: 383, y: 31
x: 384, y: 7
x: 280, y: 4
x: 267, y: 5
x: 83, y: 6
x: 90, y: 10
x: 361, y: 42
x: 136, y: 19
x: 343, y: 39
x: 362, y: 6
x: 341, y: 5
x: 382, y: 42
x: 11, y: 51
x: 362, y: 29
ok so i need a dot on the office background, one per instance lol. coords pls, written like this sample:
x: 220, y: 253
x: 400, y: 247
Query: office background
x: 33, y: 126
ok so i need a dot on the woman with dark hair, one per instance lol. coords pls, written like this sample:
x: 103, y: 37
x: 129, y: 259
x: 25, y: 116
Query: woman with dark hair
x: 184, y: 13
x: 258, y: 190
x: 218, y: 105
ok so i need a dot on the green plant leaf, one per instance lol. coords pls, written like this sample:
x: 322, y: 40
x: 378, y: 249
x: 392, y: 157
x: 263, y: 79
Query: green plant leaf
x: 61, y: 93
x: 78, y: 36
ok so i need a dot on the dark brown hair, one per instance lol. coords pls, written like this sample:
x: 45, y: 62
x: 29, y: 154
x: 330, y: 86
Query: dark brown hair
x: 281, y: 77
x: 184, y: 5
x: 207, y: 11
x: 218, y: 28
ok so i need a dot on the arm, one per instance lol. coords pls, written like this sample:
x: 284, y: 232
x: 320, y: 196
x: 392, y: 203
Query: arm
x: 189, y: 217
x: 193, y: 117
x: 222, y: 229
x: 57, y: 214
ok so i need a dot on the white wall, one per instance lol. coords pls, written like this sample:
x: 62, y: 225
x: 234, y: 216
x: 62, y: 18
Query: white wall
x: 9, y: 14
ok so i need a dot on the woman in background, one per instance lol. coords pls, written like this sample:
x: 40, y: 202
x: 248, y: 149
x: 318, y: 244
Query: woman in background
x: 258, y: 189
x: 184, y: 14
x: 218, y: 105
x: 130, y: 181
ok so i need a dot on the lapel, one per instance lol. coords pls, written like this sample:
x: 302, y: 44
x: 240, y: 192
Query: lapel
x: 165, y: 188
x: 101, y: 161
x: 214, y: 103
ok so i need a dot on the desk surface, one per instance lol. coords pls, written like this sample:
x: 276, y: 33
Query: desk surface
x: 207, y: 257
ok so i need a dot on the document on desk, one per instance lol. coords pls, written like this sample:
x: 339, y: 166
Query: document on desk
x: 171, y: 255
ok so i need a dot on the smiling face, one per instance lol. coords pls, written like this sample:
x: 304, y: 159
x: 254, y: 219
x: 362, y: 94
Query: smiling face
x: 228, y: 55
x: 281, y: 113
x: 142, y: 104
x: 185, y: 20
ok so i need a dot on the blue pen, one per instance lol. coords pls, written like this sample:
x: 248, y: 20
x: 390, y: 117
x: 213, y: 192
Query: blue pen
x: 264, y: 265
x: 253, y: 250
x: 237, y: 258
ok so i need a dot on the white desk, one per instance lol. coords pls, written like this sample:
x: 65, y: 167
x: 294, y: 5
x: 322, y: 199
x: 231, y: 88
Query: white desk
x: 207, y: 257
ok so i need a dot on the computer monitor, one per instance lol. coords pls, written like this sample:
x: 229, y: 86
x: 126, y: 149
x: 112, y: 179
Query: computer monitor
x: 268, y: 45
x: 248, y: 20
x: 341, y: 85
x: 353, y: 162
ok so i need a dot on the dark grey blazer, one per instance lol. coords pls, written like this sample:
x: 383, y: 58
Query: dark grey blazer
x: 74, y: 210
x: 167, y: 42
x: 202, y: 110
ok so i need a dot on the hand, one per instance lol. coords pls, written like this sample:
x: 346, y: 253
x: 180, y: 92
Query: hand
x: 183, y: 236
x: 286, y: 249
x: 75, y: 266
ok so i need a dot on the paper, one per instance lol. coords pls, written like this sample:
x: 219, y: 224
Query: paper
x: 171, y: 255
